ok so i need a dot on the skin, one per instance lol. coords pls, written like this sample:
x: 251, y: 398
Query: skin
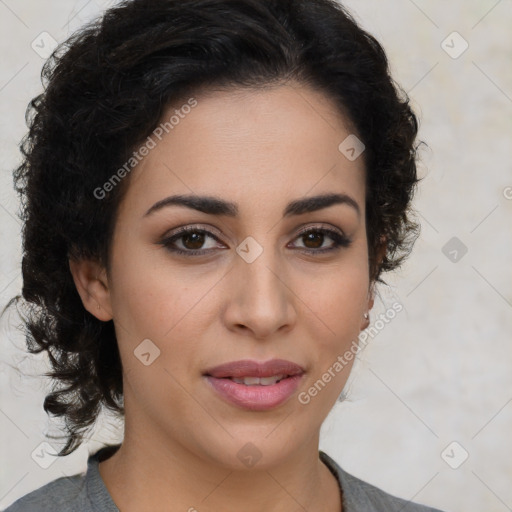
x: 260, y: 149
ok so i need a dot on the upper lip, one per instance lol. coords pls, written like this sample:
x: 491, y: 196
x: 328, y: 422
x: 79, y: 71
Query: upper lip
x: 250, y: 368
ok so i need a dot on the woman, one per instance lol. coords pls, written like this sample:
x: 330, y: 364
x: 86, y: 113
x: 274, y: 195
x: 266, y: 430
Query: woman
x: 211, y: 192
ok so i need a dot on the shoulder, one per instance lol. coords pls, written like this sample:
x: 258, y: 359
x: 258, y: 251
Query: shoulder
x: 82, y: 492
x: 61, y: 495
x: 359, y: 495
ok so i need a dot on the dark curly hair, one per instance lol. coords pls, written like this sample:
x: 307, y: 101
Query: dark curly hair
x: 106, y: 89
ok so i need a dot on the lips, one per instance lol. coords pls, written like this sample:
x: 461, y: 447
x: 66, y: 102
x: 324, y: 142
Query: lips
x: 255, y: 386
x: 249, y: 368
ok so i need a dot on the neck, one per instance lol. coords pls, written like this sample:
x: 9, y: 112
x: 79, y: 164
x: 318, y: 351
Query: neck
x: 149, y: 472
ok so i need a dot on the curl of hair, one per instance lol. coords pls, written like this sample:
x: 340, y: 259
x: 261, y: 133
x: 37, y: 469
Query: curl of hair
x: 106, y: 89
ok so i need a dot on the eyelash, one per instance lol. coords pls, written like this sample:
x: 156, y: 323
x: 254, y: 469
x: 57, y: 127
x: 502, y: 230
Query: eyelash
x: 340, y: 241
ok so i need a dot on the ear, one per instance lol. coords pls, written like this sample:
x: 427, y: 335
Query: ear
x: 92, y: 285
x: 381, y: 252
x: 371, y: 300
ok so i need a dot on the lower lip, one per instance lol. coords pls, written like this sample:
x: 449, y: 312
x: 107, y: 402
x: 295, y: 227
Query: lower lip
x: 255, y: 398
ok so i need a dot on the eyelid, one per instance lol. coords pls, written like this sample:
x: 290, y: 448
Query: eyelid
x: 210, y: 230
x: 322, y: 225
x: 216, y: 234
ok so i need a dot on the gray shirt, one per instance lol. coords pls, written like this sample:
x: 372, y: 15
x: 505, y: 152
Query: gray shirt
x: 87, y: 492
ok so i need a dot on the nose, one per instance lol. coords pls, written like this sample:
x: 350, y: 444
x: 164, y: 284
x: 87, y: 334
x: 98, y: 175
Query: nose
x: 261, y: 297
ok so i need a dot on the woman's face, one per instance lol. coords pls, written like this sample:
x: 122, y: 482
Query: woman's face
x: 264, y: 283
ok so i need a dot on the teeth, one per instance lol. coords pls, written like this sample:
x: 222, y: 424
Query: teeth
x: 258, y: 381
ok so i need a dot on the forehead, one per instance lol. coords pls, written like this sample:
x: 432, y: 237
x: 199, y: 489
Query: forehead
x: 249, y: 145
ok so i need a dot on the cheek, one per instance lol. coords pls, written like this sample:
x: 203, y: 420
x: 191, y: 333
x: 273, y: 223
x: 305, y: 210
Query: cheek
x: 338, y: 305
x: 152, y: 294
x: 171, y: 306
x: 334, y: 317
x: 338, y: 297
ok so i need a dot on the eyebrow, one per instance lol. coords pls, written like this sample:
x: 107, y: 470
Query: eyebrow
x: 216, y: 206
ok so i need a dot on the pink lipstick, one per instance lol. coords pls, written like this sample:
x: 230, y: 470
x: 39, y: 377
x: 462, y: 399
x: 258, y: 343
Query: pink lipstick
x: 253, y: 385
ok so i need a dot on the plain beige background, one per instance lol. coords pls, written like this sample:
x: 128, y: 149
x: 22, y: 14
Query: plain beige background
x: 429, y: 410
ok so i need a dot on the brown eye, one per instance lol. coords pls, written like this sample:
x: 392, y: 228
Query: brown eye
x: 193, y: 240
x: 313, y: 239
